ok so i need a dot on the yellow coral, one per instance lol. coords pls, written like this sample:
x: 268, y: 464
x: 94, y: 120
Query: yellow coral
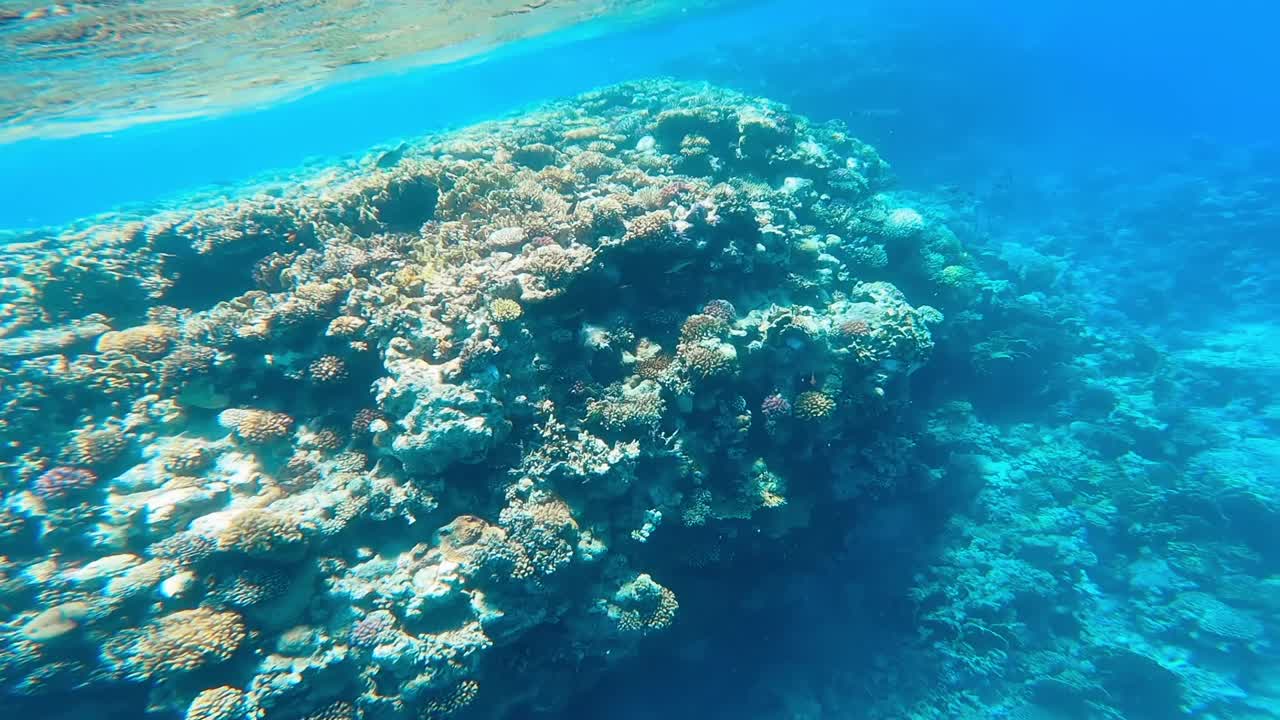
x: 708, y: 359
x: 653, y: 226
x: 183, y: 641
x: 56, y: 622
x: 220, y: 703
x: 143, y: 341
x: 346, y: 326
x: 96, y: 447
x: 505, y: 310
x: 814, y: 405
x: 256, y: 426
x: 185, y: 456
x: 262, y: 533
x: 327, y: 369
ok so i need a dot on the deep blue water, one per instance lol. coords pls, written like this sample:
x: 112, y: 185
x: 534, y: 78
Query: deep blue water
x: 1118, y: 165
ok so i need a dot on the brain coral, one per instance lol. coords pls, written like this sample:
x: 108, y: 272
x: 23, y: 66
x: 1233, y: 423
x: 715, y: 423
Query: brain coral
x: 179, y: 642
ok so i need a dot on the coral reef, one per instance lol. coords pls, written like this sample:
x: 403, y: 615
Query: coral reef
x: 463, y: 425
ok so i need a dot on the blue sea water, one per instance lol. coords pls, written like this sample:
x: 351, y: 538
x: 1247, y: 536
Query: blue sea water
x: 1091, y: 528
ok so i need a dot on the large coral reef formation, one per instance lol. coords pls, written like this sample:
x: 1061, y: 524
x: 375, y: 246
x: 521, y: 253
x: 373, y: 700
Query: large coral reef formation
x: 392, y: 441
x: 440, y: 432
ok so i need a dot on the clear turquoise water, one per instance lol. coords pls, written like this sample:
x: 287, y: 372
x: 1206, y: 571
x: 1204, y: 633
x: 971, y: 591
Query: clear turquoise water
x: 1083, y: 83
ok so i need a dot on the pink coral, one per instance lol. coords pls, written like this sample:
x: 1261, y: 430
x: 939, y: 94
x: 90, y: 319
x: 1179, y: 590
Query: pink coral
x: 372, y: 629
x: 63, y: 480
x: 722, y: 310
x: 775, y: 407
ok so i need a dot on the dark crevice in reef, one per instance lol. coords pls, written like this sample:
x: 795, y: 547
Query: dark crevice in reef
x: 408, y: 203
x: 830, y: 598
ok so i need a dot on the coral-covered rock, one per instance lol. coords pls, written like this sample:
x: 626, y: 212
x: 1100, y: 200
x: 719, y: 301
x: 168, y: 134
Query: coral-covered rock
x: 180, y: 642
x: 256, y: 426
x: 148, y: 341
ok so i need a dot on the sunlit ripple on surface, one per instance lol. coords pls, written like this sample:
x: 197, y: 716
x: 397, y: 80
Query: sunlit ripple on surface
x: 71, y: 68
